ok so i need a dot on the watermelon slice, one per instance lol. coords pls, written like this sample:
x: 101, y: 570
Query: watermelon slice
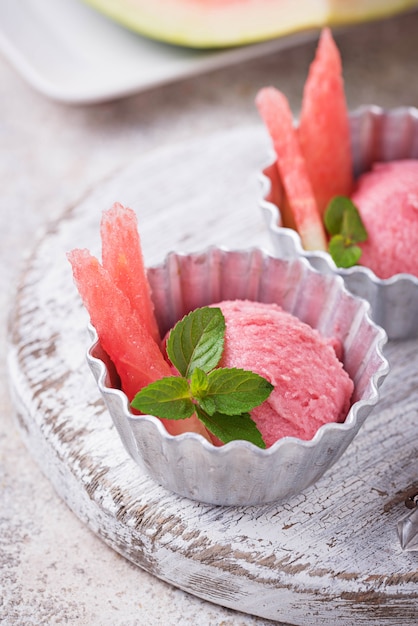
x: 324, y: 132
x: 122, y: 258
x: 123, y: 334
x: 346, y: 11
x: 218, y: 23
x: 276, y: 113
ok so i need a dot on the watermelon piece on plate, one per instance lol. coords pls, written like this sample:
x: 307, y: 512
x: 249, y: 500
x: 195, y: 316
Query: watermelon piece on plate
x: 215, y: 23
x: 219, y: 23
x: 277, y: 115
x: 324, y: 131
x: 122, y: 258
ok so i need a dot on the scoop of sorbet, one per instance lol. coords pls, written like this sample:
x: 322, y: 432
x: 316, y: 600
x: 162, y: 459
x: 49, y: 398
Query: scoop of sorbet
x: 311, y: 386
x: 387, y: 199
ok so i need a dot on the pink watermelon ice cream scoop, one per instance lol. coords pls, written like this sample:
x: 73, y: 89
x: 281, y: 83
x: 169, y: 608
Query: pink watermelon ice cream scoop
x: 311, y: 387
x: 387, y: 199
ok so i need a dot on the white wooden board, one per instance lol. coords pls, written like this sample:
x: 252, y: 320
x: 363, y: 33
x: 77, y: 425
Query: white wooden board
x: 329, y: 555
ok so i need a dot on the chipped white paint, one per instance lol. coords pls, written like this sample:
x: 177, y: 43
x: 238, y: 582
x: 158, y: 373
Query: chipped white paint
x: 329, y: 555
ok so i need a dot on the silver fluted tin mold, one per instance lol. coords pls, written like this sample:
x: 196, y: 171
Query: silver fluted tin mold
x: 239, y: 473
x: 377, y: 135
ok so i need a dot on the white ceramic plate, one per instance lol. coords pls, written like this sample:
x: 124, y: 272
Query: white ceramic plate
x: 73, y: 54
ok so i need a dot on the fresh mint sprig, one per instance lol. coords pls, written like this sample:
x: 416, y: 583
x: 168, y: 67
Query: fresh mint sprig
x: 344, y: 224
x: 221, y: 397
x: 197, y: 341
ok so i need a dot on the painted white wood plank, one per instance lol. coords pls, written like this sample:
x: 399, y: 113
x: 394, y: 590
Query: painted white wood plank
x: 328, y: 555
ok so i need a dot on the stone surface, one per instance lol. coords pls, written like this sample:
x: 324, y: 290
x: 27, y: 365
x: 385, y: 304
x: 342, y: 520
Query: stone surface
x: 52, y: 568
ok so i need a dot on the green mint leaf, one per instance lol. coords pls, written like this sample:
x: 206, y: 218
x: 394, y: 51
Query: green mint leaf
x: 168, y: 398
x: 231, y: 427
x: 342, y: 218
x: 198, y: 383
x: 334, y: 214
x: 221, y: 398
x: 197, y: 341
x: 343, y: 254
x: 353, y: 227
x: 344, y: 224
x: 233, y: 391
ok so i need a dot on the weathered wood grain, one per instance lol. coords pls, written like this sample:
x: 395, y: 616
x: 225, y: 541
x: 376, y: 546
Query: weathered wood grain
x: 329, y: 555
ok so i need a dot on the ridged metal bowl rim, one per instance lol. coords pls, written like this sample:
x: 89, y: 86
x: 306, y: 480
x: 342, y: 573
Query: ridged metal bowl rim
x: 288, y: 239
x: 115, y: 397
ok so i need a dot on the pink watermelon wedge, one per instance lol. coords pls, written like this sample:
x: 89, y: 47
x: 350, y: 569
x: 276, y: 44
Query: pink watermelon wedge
x: 324, y: 132
x: 276, y: 113
x: 124, y: 334
x: 122, y: 258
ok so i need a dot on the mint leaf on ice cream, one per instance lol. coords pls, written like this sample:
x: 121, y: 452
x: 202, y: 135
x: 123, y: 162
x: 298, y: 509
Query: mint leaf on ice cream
x: 234, y: 391
x: 221, y: 398
x: 197, y: 341
x: 344, y: 224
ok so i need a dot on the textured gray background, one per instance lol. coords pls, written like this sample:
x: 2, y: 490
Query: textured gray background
x: 52, y: 569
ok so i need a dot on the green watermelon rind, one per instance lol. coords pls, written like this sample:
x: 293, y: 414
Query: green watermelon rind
x: 191, y: 24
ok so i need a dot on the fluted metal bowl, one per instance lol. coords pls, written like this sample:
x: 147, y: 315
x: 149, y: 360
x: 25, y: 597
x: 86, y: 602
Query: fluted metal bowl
x: 377, y: 135
x: 239, y: 473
